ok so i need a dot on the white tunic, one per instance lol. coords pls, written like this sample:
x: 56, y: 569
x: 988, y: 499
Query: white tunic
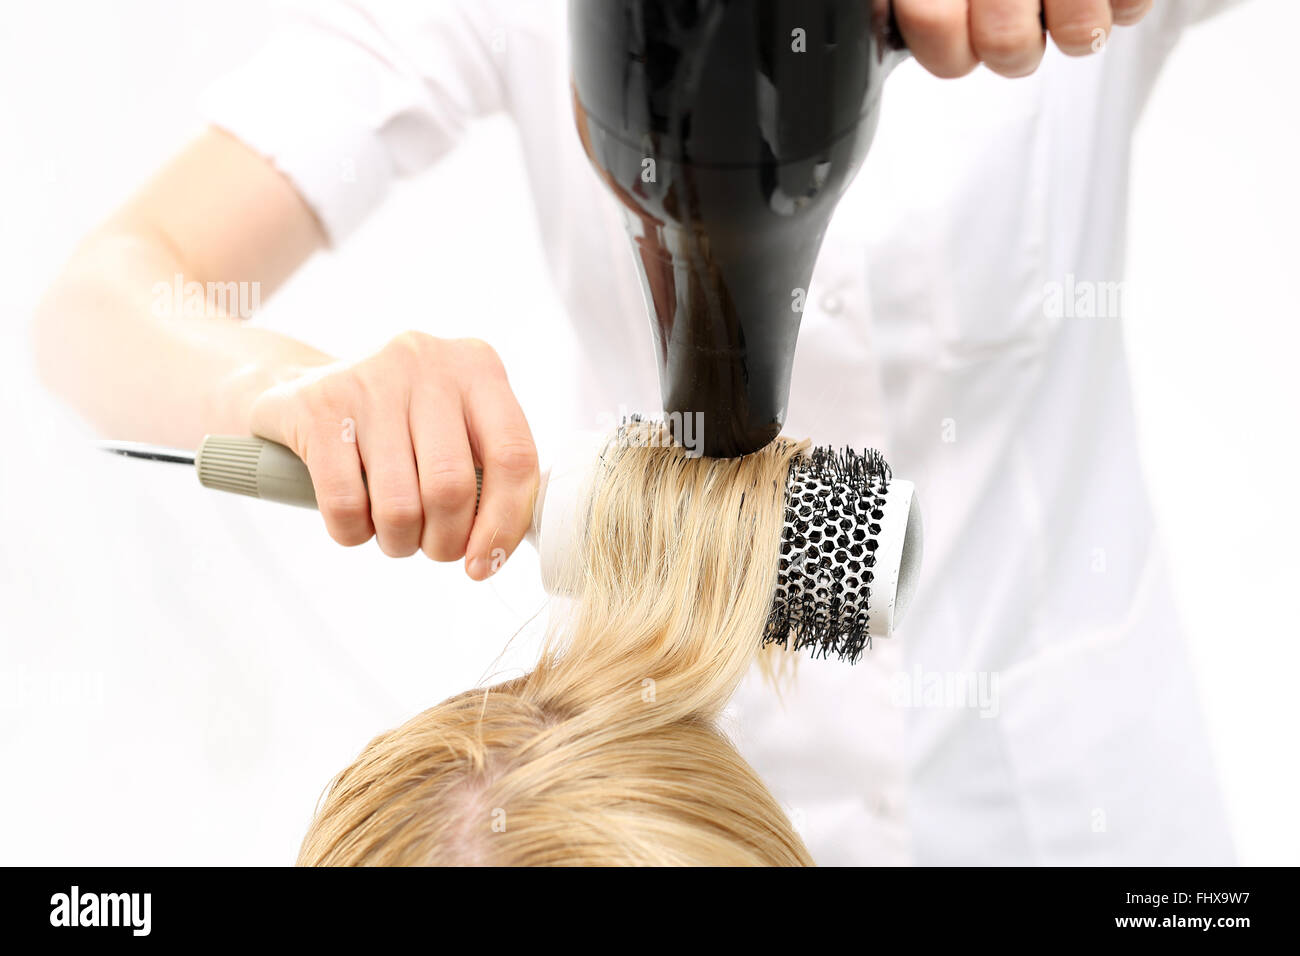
x: 1037, y: 706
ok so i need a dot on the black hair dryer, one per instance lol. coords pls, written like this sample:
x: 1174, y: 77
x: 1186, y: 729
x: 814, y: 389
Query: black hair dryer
x: 728, y: 129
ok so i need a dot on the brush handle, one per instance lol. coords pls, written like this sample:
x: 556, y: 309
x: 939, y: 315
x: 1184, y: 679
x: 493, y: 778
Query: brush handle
x: 254, y: 467
x: 260, y: 469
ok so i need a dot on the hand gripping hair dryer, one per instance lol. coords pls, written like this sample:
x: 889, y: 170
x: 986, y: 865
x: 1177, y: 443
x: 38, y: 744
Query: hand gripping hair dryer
x: 728, y: 130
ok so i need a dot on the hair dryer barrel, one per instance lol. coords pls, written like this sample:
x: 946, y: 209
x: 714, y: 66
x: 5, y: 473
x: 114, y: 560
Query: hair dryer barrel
x: 728, y: 130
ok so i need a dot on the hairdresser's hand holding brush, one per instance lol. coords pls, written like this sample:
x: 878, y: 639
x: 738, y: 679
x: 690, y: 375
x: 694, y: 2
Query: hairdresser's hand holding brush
x: 392, y: 441
x: 951, y: 37
x: 415, y: 418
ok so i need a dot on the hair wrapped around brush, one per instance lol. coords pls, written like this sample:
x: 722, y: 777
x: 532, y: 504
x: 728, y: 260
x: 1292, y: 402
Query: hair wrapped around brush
x: 608, y: 752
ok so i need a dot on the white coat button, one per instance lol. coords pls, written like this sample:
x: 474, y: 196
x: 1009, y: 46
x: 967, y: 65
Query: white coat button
x: 831, y: 304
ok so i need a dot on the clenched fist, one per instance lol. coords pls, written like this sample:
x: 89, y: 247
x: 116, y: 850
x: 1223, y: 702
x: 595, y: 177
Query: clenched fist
x: 951, y: 37
x: 392, y: 441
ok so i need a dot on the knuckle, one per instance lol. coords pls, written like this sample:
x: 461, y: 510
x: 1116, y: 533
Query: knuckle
x: 351, y: 537
x: 348, y: 532
x: 412, y: 343
x: 406, y: 352
x: 515, y: 456
x: 344, y: 508
x: 398, y: 513
x: 398, y: 548
x: 1003, y: 42
x: 939, y: 34
x: 1129, y: 12
x: 448, y: 487
x: 440, y: 547
x: 951, y: 66
x: 938, y: 18
x: 483, y: 355
x: 1078, y: 36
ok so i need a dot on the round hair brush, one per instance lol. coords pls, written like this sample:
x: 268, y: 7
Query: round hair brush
x: 850, y: 554
x: 850, y: 542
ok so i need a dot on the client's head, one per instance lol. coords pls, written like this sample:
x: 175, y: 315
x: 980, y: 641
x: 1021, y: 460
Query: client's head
x: 608, y: 751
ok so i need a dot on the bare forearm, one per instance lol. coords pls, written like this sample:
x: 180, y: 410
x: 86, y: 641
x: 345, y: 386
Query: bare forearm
x: 118, y: 340
x: 112, y: 343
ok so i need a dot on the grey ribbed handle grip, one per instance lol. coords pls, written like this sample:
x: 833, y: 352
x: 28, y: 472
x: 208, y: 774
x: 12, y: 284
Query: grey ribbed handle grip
x: 254, y: 467
x: 260, y: 469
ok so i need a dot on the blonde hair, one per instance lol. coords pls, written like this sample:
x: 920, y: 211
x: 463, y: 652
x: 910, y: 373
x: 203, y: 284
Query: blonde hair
x: 608, y: 752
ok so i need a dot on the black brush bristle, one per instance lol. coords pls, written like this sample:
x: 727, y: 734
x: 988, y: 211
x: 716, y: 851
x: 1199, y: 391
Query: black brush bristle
x: 832, y: 515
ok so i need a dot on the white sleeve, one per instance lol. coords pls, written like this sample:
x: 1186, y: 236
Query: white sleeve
x: 1183, y: 13
x: 349, y: 96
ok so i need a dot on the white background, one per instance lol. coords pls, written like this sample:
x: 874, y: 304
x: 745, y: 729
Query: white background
x: 182, y: 672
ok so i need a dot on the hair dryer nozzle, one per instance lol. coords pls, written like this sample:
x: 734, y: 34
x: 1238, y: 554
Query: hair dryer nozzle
x: 728, y: 131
